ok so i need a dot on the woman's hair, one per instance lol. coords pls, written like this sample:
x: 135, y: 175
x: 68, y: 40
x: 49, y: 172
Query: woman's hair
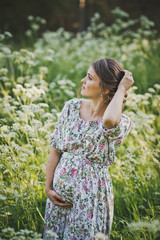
x: 110, y: 73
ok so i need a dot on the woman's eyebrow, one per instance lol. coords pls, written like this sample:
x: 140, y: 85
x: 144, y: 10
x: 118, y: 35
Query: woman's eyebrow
x: 90, y: 75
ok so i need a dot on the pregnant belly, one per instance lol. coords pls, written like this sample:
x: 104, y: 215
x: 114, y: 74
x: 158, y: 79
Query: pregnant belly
x: 74, y: 174
x: 64, y: 181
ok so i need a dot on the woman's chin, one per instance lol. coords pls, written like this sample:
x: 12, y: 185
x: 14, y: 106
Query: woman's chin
x: 82, y: 92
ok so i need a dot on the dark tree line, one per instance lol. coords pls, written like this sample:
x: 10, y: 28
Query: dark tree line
x: 73, y: 15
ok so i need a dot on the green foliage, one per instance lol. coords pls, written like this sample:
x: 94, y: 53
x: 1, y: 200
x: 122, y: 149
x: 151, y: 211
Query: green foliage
x: 135, y: 172
x: 9, y: 233
x: 34, y: 85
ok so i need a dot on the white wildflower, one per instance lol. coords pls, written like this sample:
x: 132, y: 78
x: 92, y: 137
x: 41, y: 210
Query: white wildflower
x: 47, y: 115
x: 2, y: 37
x: 5, y: 79
x: 30, y: 18
x: 29, y: 95
x: 42, y: 130
x: 51, y: 51
x: 35, y: 26
x: 27, y: 129
x: 69, y: 82
x: 39, y: 149
x: 151, y: 90
x: 12, y: 134
x: 16, y: 126
x: 53, y: 110
x: 23, y: 50
x: 62, y: 82
x: 2, y: 197
x: 31, y: 63
x: 101, y: 236
x: 31, y: 54
x: 4, y: 128
x: 48, y: 58
x: 124, y: 57
x: 28, y: 33
x: 52, y: 85
x: 4, y: 71
x: 27, y: 85
x: 43, y: 105
x: 36, y: 140
x: 23, y: 159
x: 6, y: 50
x: 20, y: 79
x: 157, y: 86
x: 38, y: 51
x: 43, y: 69
x: 28, y: 146
x: 43, y: 21
x: 52, y: 234
x: 70, y: 93
x: 35, y: 121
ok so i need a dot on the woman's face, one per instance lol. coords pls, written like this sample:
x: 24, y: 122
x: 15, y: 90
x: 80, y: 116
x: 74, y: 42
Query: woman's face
x: 91, y: 85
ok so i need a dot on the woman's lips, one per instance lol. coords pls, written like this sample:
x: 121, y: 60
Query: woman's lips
x: 82, y: 87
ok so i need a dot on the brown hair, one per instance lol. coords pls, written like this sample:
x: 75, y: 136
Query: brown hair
x: 110, y: 73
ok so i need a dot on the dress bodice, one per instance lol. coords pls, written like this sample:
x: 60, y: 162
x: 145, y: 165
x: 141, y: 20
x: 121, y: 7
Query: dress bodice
x: 89, y: 139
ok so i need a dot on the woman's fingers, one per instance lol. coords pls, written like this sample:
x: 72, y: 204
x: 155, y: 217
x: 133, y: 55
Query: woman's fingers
x: 59, y: 204
x: 52, y: 194
x: 55, y: 195
x: 127, y: 72
x: 59, y: 200
x: 127, y: 80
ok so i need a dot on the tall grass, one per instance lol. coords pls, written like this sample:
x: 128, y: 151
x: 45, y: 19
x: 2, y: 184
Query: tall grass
x: 34, y: 84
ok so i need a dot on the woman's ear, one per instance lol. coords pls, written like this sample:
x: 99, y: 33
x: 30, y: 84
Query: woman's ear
x: 106, y: 91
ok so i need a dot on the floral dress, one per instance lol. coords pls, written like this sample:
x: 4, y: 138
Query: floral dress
x: 87, y: 151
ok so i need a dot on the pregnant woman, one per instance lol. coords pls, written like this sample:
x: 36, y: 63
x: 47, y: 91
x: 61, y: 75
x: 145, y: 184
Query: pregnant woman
x: 83, y: 145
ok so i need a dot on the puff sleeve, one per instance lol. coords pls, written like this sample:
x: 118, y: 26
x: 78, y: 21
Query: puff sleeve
x: 57, y: 136
x: 120, y: 131
x: 115, y: 136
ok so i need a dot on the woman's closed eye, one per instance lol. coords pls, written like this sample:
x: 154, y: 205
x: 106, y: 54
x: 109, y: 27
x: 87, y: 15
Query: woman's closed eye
x: 90, y: 78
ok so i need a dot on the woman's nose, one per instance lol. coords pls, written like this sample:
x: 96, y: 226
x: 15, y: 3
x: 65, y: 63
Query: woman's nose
x: 83, y: 80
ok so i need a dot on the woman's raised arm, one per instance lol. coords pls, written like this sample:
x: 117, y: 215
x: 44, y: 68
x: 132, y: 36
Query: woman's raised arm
x: 112, y: 114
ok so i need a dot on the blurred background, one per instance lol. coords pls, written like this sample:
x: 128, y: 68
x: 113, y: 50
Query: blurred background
x: 72, y: 15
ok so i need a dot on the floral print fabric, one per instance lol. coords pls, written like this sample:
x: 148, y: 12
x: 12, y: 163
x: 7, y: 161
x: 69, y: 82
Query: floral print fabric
x: 87, y: 151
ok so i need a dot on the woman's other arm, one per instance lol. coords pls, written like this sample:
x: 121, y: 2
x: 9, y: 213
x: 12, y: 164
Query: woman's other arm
x: 52, y: 162
x: 112, y: 114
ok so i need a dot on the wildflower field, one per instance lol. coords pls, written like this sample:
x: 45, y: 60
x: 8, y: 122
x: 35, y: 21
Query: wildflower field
x: 36, y: 79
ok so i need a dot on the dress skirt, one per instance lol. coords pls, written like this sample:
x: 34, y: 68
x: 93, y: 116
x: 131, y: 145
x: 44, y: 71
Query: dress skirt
x: 87, y: 185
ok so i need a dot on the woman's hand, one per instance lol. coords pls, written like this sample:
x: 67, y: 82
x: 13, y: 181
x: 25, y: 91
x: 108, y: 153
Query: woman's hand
x: 57, y: 200
x: 127, y: 81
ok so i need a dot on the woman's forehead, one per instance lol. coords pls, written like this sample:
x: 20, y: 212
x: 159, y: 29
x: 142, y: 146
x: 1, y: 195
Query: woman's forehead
x: 93, y: 73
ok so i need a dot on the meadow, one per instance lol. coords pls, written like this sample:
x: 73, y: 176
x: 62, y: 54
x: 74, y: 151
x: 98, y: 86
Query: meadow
x: 36, y: 80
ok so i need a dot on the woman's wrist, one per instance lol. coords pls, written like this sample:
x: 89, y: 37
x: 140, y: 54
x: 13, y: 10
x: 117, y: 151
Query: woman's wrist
x: 121, y: 89
x: 47, y: 189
